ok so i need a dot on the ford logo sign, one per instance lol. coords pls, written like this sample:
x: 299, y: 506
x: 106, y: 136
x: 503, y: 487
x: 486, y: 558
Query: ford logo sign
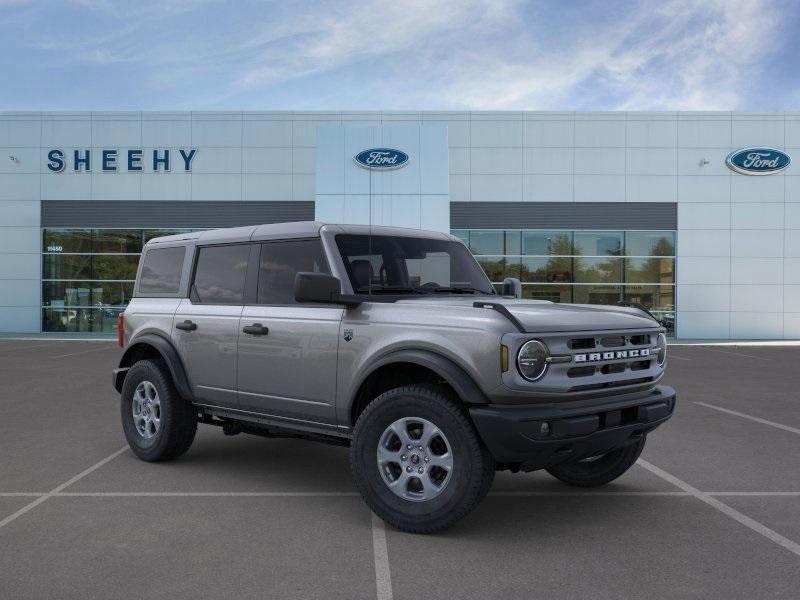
x: 381, y: 158
x: 758, y: 161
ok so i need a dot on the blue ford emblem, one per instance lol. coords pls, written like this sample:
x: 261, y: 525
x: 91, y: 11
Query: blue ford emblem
x: 758, y: 161
x: 381, y: 158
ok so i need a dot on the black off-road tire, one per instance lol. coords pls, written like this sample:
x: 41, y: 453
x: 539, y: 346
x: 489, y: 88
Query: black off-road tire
x: 602, y: 470
x: 178, y: 417
x: 473, y: 467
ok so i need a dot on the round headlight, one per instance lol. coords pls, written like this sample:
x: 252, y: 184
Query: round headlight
x: 532, y: 360
x: 661, y: 349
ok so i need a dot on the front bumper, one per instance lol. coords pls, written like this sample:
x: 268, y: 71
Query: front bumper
x: 537, y: 436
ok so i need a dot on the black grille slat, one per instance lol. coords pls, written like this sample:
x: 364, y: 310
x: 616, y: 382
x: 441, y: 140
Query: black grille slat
x: 615, y: 341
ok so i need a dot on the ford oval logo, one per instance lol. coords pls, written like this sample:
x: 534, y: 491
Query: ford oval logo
x: 381, y: 158
x: 758, y: 161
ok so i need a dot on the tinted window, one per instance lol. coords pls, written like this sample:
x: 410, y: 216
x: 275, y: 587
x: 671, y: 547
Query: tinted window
x: 161, y: 271
x: 280, y: 262
x: 219, y: 277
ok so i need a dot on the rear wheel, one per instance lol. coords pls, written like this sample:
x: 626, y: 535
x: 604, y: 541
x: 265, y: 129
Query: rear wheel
x: 158, y: 423
x: 417, y: 459
x: 601, y: 469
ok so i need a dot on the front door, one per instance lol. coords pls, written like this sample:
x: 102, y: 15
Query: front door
x: 287, y: 351
x: 206, y: 325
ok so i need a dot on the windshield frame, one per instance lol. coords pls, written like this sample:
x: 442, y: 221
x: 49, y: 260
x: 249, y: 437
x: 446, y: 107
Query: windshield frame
x: 478, y: 283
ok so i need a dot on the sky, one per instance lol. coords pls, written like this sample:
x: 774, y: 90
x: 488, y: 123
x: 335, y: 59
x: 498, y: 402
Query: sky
x: 399, y: 55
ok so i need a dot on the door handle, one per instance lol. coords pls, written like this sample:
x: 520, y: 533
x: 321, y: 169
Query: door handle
x: 186, y: 326
x: 255, y: 329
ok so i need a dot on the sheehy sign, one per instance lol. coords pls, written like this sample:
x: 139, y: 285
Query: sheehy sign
x: 111, y: 161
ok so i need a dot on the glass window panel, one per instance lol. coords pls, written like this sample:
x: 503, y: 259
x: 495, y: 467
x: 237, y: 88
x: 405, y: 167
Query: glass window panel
x: 597, y: 294
x: 513, y: 242
x: 486, y: 242
x: 462, y: 234
x: 67, y: 240
x: 649, y: 270
x: 67, y: 266
x: 598, y: 270
x: 281, y: 261
x: 117, y: 240
x: 149, y: 234
x: 547, y: 243
x: 220, y: 273
x: 498, y: 268
x: 598, y: 243
x: 161, y: 271
x: 655, y: 297
x: 92, y: 320
x: 58, y: 294
x: 650, y: 243
x: 547, y: 270
x: 114, y: 266
x: 553, y: 293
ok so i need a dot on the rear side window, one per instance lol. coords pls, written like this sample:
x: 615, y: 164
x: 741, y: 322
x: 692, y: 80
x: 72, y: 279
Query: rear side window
x: 220, y: 274
x: 280, y: 262
x: 161, y: 271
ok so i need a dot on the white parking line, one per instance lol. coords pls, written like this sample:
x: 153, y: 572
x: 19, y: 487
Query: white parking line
x: 751, y: 418
x: 81, y: 352
x: 61, y: 487
x: 383, y: 578
x: 206, y: 494
x: 741, y: 354
x: 734, y: 514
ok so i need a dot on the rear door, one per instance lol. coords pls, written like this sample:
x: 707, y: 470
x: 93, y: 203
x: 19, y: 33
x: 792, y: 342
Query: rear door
x: 287, y: 351
x: 206, y: 325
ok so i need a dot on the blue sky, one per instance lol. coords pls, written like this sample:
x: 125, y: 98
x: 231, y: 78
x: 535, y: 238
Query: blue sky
x: 393, y: 54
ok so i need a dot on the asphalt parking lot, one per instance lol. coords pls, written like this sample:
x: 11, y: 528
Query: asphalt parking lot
x: 711, y: 511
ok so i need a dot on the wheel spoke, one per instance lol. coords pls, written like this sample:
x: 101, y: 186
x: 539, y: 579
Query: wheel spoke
x: 443, y: 461
x: 429, y: 432
x: 386, y: 456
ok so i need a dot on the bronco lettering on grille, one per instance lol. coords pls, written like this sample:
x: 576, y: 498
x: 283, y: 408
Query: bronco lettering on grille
x: 616, y: 355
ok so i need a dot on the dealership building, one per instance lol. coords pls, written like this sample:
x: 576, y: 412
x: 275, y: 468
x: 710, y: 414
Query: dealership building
x: 695, y: 215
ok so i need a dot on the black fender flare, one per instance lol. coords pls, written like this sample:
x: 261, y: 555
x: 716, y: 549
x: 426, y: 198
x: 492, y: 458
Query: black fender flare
x: 168, y: 353
x: 462, y: 383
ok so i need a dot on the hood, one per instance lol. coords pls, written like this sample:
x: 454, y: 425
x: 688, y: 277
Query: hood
x: 542, y: 316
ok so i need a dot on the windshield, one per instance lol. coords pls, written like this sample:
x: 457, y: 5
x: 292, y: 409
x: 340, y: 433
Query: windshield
x: 410, y: 265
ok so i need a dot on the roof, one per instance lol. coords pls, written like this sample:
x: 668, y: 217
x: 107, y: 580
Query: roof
x: 296, y: 229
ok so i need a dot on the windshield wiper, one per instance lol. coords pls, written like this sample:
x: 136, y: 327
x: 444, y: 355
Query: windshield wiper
x: 388, y: 289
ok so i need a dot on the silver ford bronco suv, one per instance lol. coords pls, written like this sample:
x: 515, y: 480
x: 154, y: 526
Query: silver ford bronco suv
x: 392, y: 342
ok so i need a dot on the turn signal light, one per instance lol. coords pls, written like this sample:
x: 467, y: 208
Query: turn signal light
x: 504, y: 358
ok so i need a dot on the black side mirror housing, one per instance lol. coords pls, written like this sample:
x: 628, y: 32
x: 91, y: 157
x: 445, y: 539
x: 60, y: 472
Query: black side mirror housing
x: 320, y: 287
x: 512, y: 287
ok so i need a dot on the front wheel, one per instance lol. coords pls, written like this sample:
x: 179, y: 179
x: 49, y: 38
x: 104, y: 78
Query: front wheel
x: 417, y: 459
x: 601, y: 469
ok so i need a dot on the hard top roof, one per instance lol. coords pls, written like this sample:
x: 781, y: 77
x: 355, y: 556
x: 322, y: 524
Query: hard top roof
x: 296, y: 229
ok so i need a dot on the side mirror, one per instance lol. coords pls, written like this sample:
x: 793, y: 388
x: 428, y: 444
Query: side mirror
x: 512, y: 287
x: 320, y: 287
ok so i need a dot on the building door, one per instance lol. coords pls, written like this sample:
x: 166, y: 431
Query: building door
x: 206, y: 325
x: 287, y: 351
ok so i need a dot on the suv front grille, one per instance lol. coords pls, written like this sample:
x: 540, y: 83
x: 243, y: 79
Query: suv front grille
x: 605, y: 360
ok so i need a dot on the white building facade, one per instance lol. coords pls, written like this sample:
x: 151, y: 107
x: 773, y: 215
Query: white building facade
x: 582, y: 207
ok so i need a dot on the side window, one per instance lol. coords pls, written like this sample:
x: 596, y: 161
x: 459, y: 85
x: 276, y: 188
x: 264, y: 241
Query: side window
x: 220, y: 274
x: 280, y: 262
x: 161, y: 271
